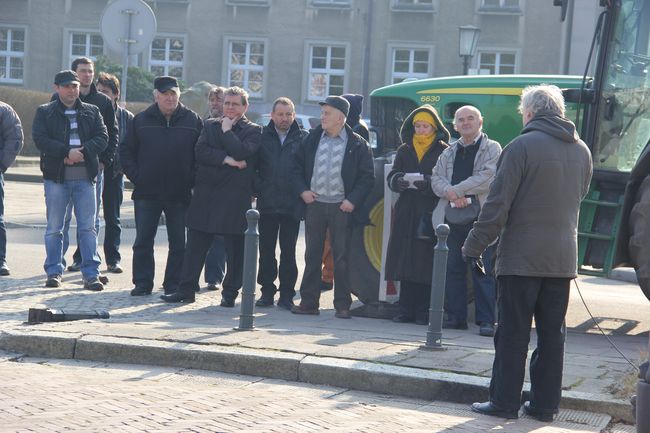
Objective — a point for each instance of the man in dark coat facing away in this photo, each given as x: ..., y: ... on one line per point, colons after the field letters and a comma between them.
x: 222, y: 195
x: 542, y: 176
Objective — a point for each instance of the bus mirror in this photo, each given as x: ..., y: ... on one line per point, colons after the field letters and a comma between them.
x: 584, y: 96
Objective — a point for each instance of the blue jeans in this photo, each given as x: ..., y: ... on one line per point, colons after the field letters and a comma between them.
x: 112, y: 200
x: 76, y: 257
x: 81, y: 193
x: 456, y: 288
x: 3, y: 228
x: 215, y: 262
x: 147, y: 215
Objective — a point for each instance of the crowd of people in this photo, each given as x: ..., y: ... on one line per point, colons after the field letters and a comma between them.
x: 203, y: 175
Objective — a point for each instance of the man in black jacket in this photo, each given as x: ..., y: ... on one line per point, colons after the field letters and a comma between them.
x: 278, y: 204
x: 333, y: 174
x: 11, y: 141
x: 70, y: 135
x: 85, y: 70
x: 158, y: 158
x: 225, y: 156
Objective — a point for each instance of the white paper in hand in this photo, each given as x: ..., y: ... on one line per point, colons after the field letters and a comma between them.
x: 412, y: 177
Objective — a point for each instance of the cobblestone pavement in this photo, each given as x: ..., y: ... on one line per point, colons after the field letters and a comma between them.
x: 50, y: 396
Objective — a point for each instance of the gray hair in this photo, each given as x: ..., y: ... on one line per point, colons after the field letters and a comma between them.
x: 545, y: 97
x: 217, y: 90
x: 237, y: 91
x: 472, y: 108
x: 175, y: 89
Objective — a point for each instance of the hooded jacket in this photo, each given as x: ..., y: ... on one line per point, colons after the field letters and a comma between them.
x: 353, y: 118
x: 542, y: 176
x: 409, y: 258
x: 158, y: 155
x: 51, y: 134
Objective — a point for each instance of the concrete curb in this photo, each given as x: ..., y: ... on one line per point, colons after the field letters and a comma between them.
x: 351, y: 374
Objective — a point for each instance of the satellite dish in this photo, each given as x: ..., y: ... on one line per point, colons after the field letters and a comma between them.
x: 128, y: 27
x: 129, y: 23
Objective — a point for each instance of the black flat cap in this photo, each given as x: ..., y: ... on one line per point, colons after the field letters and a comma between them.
x: 164, y: 83
x: 66, y: 77
x: 337, y: 102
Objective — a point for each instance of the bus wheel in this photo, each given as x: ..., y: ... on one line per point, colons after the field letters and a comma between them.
x: 639, y: 245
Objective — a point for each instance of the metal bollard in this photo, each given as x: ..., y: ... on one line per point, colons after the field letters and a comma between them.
x: 438, y: 281
x: 251, y: 238
x: 643, y: 396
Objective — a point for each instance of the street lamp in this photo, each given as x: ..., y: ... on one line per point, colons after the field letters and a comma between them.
x: 467, y: 48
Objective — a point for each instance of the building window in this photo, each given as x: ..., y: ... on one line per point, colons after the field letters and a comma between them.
x: 331, y: 4
x: 12, y: 55
x: 326, y: 71
x: 500, y: 4
x: 248, y: 2
x: 246, y: 66
x: 497, y: 63
x: 412, y: 5
x: 88, y: 45
x: 167, y: 56
x: 409, y: 63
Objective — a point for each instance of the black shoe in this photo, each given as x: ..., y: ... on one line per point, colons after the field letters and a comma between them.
x: 486, y: 329
x: 140, y: 291
x: 227, y: 303
x: 342, y: 314
x: 178, y: 297
x: 93, y: 284
x: 451, y: 324
x: 74, y: 267
x: 488, y: 408
x: 264, y: 302
x: 286, y: 304
x: 103, y: 279
x: 403, y: 318
x: 301, y: 309
x: 540, y: 416
x: 114, y: 269
x: 4, y: 270
x: 53, y: 281
x: 325, y: 286
x: 211, y: 287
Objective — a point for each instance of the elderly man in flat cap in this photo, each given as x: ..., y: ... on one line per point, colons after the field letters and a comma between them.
x: 333, y: 173
x: 158, y: 158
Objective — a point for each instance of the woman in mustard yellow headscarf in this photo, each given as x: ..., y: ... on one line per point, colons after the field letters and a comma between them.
x: 409, y: 258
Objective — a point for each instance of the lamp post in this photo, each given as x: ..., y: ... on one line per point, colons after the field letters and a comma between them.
x: 467, y: 47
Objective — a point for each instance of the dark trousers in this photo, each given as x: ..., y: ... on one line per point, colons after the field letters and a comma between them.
x: 147, y: 215
x: 414, y: 299
x: 520, y: 300
x: 112, y: 198
x: 318, y: 218
x: 215, y: 262
x: 196, y: 251
x: 234, y: 265
x: 3, y: 228
x: 271, y: 227
x: 456, y: 285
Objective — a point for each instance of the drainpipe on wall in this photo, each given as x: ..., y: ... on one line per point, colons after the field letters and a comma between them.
x: 568, y: 35
x: 365, y: 67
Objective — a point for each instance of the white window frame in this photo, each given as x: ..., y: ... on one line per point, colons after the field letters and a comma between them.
x: 502, y: 8
x: 254, y: 3
x: 331, y: 4
x: 416, y: 6
x: 228, y: 40
x: 498, y: 52
x: 68, y: 45
x: 413, y: 46
x: 9, y: 54
x: 328, y: 71
x: 169, y: 63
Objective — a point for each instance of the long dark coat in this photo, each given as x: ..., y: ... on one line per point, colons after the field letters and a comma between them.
x: 222, y: 194
x: 409, y: 258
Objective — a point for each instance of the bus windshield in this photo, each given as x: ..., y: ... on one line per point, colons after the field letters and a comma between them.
x: 624, y: 118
